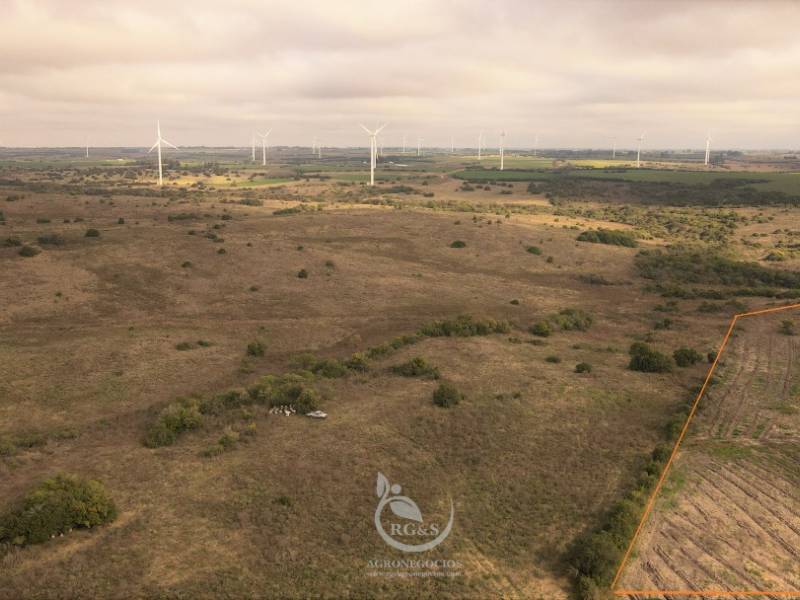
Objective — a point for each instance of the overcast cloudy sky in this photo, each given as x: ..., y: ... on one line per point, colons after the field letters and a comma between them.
x: 575, y: 73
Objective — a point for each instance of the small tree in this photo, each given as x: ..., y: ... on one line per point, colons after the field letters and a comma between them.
x: 446, y: 395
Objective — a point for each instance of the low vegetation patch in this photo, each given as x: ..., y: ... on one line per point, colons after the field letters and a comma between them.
x: 416, y: 367
x: 647, y: 360
x: 447, y: 395
x: 686, y: 357
x: 464, y: 326
x: 29, y: 251
x: 458, y: 244
x: 612, y: 237
x: 182, y: 415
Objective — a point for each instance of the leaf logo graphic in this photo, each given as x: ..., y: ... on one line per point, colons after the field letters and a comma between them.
x: 405, y: 507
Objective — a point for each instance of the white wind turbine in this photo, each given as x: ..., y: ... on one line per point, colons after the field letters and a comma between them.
x: 253, y: 147
x: 535, y: 144
x: 264, y: 137
x: 404, y: 143
x: 158, y: 143
x: 87, y: 147
x: 452, y: 147
x: 708, y: 148
x: 613, y: 148
x: 502, y: 147
x: 480, y: 144
x: 419, y: 146
x: 639, y: 149
x: 373, y: 150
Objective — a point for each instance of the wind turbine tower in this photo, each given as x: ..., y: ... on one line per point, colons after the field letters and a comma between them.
x: 613, y: 148
x: 253, y: 148
x: 708, y: 148
x: 639, y: 150
x: 87, y: 149
x: 264, y: 137
x: 404, y: 143
x: 535, y: 144
x: 480, y: 143
x: 452, y: 147
x: 158, y: 143
x: 502, y: 147
x: 373, y: 150
x: 419, y: 146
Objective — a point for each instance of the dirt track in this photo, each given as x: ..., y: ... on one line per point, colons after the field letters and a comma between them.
x: 728, y: 517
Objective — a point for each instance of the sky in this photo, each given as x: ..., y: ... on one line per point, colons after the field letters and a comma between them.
x: 573, y: 74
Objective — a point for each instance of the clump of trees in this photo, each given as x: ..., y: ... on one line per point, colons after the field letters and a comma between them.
x: 416, y: 367
x: 647, y: 360
x: 54, y: 507
x: 686, y: 357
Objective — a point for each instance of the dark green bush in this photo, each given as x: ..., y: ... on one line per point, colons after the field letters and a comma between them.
x: 458, y: 244
x: 182, y: 415
x: 446, y: 395
x: 534, y: 250
x: 52, y: 239
x: 357, y: 362
x: 787, y: 327
x: 12, y: 242
x: 464, y: 326
x: 295, y: 388
x: 553, y: 359
x: 416, y: 367
x: 686, y: 357
x: 302, y: 274
x: 29, y: 251
x: 541, y: 328
x: 608, y: 236
x: 92, y: 233
x: 54, y: 507
x: 583, y: 367
x: 256, y: 348
x: 324, y: 367
x: 647, y: 360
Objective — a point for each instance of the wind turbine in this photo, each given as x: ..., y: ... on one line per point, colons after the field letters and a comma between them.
x: 502, y: 147
x: 480, y: 143
x: 639, y: 149
x: 158, y: 143
x: 404, y: 143
x: 419, y: 146
x: 373, y: 150
x: 253, y: 147
x: 87, y: 149
x: 535, y: 144
x: 708, y: 147
x: 264, y: 137
x: 613, y: 148
x: 452, y: 148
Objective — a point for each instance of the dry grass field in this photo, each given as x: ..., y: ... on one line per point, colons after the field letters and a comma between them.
x: 99, y: 334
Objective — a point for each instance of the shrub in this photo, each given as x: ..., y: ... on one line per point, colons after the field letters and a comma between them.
x: 357, y: 362
x: 570, y: 319
x: 52, y: 239
x: 787, y: 327
x: 541, y: 329
x: 187, y: 264
x: 184, y: 346
x: 29, y: 251
x: 256, y: 348
x: 54, y: 507
x: 583, y: 367
x: 302, y: 274
x: 92, y: 233
x: 446, y: 395
x: 295, y: 388
x: 608, y: 236
x: 686, y: 357
x: 182, y: 415
x: 464, y: 326
x: 120, y: 221
x: 534, y: 250
x: 12, y: 242
x: 553, y: 359
x: 222, y: 251
x: 458, y: 244
x: 324, y: 367
x: 416, y: 367
x: 647, y: 360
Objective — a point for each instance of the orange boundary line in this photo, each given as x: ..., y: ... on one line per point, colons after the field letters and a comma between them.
x: 651, y: 501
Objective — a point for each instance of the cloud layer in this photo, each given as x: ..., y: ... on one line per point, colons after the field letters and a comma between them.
x: 573, y: 73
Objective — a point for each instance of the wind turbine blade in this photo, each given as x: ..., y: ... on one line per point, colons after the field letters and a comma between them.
x: 267, y: 134
x: 169, y: 144
x: 379, y: 129
x: 365, y: 129
x: 154, y: 147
